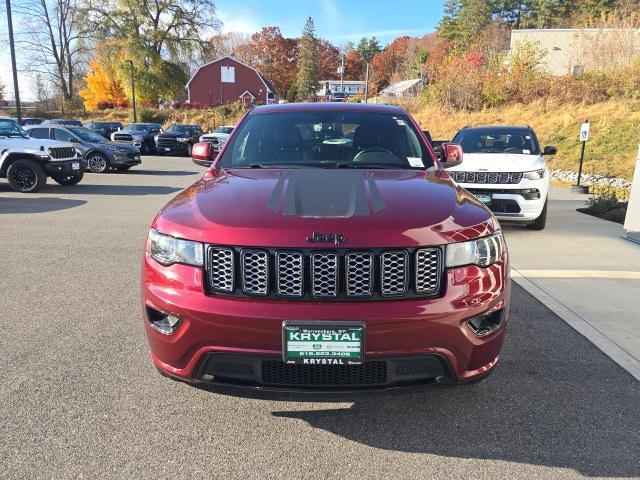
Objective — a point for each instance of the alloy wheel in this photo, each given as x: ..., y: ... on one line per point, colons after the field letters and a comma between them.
x: 24, y: 178
x: 97, y: 163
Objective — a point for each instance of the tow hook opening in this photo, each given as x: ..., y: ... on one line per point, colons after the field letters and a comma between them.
x: 163, y: 322
x: 486, y: 324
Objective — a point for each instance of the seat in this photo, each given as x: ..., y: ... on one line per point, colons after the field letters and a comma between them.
x: 282, y: 144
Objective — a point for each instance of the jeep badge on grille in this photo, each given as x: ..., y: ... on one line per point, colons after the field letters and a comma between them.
x: 317, y: 237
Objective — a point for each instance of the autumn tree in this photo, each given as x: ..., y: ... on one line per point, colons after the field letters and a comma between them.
x: 225, y: 44
x: 389, y: 65
x: 2, y: 91
x: 273, y: 56
x: 103, y: 86
x: 307, y: 80
x: 353, y: 65
x: 328, y: 59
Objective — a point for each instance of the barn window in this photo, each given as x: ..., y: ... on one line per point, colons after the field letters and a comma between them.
x: 228, y: 74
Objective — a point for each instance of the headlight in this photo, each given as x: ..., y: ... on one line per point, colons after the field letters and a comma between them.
x: 137, y: 139
x: 155, y: 138
x: 535, y: 175
x: 113, y: 148
x: 169, y: 250
x: 481, y: 252
x: 182, y: 139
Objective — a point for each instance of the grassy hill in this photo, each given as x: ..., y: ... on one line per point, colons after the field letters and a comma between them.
x: 611, y: 149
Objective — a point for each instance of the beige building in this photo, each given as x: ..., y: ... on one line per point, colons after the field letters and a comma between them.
x: 571, y: 51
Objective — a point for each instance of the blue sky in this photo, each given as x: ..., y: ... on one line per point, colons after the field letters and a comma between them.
x: 339, y: 21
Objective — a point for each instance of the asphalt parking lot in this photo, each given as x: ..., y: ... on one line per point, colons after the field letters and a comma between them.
x: 79, y: 396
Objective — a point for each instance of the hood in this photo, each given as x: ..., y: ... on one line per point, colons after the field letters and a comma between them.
x: 499, y: 162
x: 281, y: 208
x: 174, y: 134
x: 216, y: 135
x: 31, y: 143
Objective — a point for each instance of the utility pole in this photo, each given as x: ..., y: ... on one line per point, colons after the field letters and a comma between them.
x: 366, y: 85
x: 16, y: 89
x: 342, y: 73
x: 133, y: 93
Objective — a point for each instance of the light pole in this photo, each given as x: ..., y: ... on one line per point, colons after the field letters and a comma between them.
x: 133, y: 92
x: 16, y: 90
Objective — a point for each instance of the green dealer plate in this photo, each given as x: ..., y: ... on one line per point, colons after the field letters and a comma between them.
x: 322, y: 343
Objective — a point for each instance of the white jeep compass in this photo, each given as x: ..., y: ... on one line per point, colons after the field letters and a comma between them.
x: 504, y: 168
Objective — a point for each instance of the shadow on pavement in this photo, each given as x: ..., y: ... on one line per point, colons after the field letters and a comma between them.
x: 29, y: 204
x: 120, y: 189
x: 554, y: 401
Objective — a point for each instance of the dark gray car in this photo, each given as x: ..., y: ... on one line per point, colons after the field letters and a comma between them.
x: 100, y: 153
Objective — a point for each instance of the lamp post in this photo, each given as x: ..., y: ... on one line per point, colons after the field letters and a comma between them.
x: 13, y: 63
x: 133, y: 92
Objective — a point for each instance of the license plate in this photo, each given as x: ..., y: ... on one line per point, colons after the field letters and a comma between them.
x: 321, y: 343
x: 75, y: 166
x: 484, y: 197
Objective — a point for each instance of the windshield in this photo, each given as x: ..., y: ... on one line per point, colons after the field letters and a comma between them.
x: 136, y: 127
x: 519, y: 141
x: 87, y: 135
x: 223, y: 130
x: 178, y: 129
x: 10, y: 128
x: 328, y: 139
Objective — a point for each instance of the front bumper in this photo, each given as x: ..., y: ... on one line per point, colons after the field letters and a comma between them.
x: 521, y: 203
x: 125, y: 159
x: 434, y: 329
x: 172, y: 148
x: 64, y: 167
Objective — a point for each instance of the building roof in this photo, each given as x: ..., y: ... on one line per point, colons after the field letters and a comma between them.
x: 266, y: 82
x: 400, y: 87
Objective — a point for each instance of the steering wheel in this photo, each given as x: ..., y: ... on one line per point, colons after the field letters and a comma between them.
x: 371, y: 150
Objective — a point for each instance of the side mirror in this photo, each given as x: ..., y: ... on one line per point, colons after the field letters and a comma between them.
x: 203, y: 151
x: 451, y: 155
x: 74, y: 140
x: 549, y: 150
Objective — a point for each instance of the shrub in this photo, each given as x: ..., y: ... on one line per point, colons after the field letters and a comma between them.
x: 605, y: 200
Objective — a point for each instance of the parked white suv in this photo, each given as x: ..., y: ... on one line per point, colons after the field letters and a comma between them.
x: 218, y: 137
x: 27, y: 162
x: 505, y: 169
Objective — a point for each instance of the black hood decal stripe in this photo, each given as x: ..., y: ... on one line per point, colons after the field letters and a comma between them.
x: 315, y: 193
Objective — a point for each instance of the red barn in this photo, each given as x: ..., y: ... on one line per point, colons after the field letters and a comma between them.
x: 227, y: 80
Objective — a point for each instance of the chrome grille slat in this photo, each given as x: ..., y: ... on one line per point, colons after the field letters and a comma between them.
x: 487, y: 177
x: 290, y: 273
x: 60, y: 153
x: 324, y: 274
x: 359, y: 267
x: 255, y: 272
x: 428, y: 261
x: 394, y: 267
x: 221, y: 266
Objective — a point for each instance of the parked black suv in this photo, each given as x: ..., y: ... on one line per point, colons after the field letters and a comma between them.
x: 104, y: 128
x: 178, y: 139
x: 138, y: 134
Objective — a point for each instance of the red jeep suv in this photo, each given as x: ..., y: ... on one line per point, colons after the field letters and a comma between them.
x: 326, y: 248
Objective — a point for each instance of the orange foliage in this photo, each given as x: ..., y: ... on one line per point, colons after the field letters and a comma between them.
x: 103, y: 88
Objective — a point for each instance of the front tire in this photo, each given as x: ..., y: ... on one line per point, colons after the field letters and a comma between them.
x: 26, y: 176
x: 69, y: 180
x: 145, y: 149
x: 97, y: 162
x: 541, y: 221
x: 189, y: 149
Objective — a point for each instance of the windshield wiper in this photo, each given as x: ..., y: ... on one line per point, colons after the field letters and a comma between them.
x: 277, y: 165
x: 369, y: 165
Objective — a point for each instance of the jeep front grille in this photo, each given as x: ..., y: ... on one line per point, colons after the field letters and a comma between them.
x: 62, y: 153
x: 487, y: 177
x: 122, y: 137
x: 324, y: 274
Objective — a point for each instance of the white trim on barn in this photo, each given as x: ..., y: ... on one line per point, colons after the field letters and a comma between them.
x: 244, y: 95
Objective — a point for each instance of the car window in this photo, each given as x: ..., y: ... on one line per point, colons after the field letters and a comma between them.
x: 42, y: 133
x: 327, y: 139
x: 10, y: 128
x: 62, y: 135
x: 86, y: 135
x: 518, y: 141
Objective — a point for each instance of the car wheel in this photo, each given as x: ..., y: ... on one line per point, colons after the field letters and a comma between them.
x: 97, y: 162
x: 541, y: 221
x: 26, y: 176
x: 67, y: 180
x: 144, y: 149
x: 189, y: 149
x: 123, y: 168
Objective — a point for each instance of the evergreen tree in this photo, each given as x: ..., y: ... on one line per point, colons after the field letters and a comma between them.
x: 368, y: 47
x: 308, y: 78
